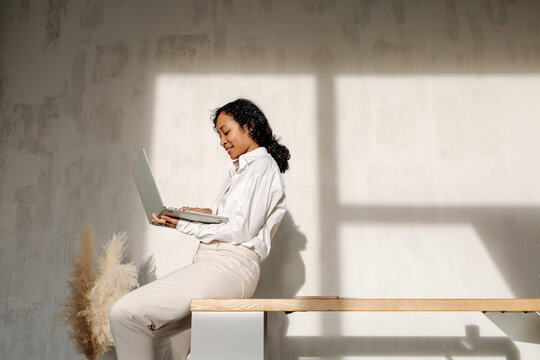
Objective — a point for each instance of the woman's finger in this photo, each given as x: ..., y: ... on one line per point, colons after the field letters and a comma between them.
x: 159, y: 220
x: 172, y: 220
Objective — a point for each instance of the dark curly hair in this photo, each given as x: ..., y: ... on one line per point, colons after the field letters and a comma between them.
x: 247, y: 113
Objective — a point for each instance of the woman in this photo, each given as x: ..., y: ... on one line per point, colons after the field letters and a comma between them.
x: 226, y: 264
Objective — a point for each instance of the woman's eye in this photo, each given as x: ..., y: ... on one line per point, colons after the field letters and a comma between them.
x: 226, y: 133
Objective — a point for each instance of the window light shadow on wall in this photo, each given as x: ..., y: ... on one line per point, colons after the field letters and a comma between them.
x: 379, y: 143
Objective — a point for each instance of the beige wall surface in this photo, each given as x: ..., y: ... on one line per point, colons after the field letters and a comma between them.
x: 414, y: 132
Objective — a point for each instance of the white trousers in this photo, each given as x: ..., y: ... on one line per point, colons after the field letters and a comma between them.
x: 154, y: 322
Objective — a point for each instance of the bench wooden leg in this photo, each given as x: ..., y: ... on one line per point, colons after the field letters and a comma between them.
x: 227, y: 335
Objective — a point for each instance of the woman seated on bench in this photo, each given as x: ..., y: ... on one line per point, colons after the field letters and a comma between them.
x: 226, y: 264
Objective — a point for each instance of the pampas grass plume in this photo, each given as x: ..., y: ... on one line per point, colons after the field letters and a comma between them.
x: 86, y: 310
x: 113, y: 280
x: 75, y: 306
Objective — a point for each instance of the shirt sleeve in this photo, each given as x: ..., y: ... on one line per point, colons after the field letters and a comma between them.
x: 262, y: 242
x: 249, y: 213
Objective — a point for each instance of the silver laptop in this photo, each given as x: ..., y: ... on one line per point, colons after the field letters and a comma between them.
x: 151, y: 199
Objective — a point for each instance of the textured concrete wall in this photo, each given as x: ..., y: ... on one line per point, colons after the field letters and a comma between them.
x: 413, y: 127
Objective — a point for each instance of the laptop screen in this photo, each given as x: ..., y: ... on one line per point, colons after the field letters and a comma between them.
x: 146, y: 185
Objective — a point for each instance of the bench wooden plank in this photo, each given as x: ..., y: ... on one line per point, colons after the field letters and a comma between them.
x: 336, y: 304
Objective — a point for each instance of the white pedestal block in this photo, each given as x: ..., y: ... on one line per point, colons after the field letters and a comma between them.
x: 227, y: 335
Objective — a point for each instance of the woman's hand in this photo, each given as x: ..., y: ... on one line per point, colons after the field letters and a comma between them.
x: 204, y: 211
x: 165, y: 220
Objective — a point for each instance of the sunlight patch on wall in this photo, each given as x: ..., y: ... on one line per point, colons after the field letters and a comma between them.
x: 417, y: 261
x: 447, y: 140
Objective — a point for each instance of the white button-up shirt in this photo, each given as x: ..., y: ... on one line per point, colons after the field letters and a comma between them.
x: 253, y: 197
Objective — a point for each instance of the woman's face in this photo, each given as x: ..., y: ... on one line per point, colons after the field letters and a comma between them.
x: 234, y: 139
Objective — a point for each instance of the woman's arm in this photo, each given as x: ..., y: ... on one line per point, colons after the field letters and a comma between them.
x: 201, y: 210
x: 173, y: 221
x: 249, y: 212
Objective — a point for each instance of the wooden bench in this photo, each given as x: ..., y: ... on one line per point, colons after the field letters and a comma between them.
x: 235, y: 328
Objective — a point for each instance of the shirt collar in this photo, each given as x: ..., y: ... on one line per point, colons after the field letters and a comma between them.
x: 245, y: 159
